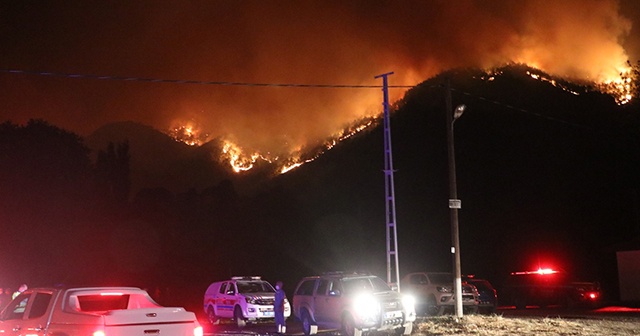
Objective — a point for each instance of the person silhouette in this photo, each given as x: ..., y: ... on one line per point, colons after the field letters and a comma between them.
x: 278, y: 308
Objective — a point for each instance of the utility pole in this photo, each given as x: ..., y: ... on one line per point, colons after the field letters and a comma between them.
x: 454, y: 202
x: 390, y: 202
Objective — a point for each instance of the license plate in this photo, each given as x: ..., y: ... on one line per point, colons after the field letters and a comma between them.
x: 268, y: 314
x: 392, y: 314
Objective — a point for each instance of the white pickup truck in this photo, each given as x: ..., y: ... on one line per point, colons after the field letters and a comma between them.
x: 98, y: 311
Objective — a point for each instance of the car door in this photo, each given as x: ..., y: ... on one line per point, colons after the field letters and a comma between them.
x: 225, y: 300
x: 27, y: 314
x: 335, y: 302
x: 320, y: 301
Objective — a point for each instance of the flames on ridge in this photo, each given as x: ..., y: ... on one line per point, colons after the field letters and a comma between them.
x: 242, y: 160
x: 189, y: 134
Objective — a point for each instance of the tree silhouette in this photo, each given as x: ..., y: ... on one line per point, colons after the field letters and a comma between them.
x: 41, y: 159
x: 44, y: 199
x: 113, y: 172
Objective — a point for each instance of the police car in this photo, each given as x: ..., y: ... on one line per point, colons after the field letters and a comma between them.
x: 243, y: 299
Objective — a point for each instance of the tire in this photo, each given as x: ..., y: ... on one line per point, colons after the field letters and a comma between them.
x: 307, y: 322
x: 348, y: 326
x: 431, y: 307
x: 211, y: 316
x: 238, y: 318
x: 473, y: 310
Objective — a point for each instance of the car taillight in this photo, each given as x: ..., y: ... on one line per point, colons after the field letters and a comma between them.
x: 592, y: 295
x: 98, y: 333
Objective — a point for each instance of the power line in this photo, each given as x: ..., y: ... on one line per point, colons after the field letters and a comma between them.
x: 293, y: 85
x: 183, y: 81
x: 535, y: 114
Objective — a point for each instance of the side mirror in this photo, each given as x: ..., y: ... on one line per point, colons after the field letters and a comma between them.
x: 334, y: 292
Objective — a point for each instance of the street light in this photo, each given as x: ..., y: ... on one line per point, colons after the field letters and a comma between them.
x: 454, y: 202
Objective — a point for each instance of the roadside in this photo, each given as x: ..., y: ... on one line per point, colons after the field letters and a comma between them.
x: 610, y: 320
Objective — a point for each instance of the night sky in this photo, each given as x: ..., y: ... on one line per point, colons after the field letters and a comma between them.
x: 521, y: 176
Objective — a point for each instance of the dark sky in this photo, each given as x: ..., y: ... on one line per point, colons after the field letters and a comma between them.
x: 276, y: 41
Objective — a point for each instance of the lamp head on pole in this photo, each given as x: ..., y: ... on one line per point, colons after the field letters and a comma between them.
x: 458, y: 111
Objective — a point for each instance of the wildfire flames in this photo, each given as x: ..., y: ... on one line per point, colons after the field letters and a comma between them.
x: 237, y: 159
x: 189, y: 134
x: 619, y: 88
x: 241, y: 160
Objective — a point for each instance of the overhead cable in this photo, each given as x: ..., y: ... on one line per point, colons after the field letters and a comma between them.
x: 197, y: 82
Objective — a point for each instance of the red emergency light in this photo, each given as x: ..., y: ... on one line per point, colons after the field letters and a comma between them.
x: 592, y: 295
x: 541, y: 271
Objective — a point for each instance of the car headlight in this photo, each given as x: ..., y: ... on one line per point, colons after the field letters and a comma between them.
x: 366, y: 306
x: 409, y: 303
x: 250, y: 299
x: 444, y: 289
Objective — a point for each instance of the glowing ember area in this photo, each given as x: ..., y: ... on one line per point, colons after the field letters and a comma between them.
x: 188, y: 134
x: 552, y: 82
x: 620, y: 88
x: 238, y: 160
x: 296, y: 162
x: 242, y: 160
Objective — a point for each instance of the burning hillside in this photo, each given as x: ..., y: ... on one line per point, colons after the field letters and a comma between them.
x: 241, y: 159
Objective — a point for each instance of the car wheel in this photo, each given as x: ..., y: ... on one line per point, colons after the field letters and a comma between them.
x: 307, y: 322
x: 473, y: 310
x: 211, y: 315
x: 239, y: 319
x: 431, y: 307
x: 348, y: 326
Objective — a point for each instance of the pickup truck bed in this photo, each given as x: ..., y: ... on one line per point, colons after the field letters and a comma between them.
x: 95, y: 311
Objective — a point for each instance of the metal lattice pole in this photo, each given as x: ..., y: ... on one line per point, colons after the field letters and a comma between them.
x: 390, y: 203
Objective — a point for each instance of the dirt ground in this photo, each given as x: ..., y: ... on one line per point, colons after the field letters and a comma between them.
x: 498, y: 325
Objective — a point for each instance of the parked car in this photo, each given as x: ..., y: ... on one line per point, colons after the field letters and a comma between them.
x: 354, y: 303
x: 434, y: 292
x: 85, y: 311
x: 243, y: 299
x: 487, y: 294
x: 547, y: 287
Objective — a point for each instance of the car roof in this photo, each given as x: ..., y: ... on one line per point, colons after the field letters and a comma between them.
x: 341, y: 275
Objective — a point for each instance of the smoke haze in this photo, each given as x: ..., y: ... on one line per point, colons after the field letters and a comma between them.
x: 278, y: 41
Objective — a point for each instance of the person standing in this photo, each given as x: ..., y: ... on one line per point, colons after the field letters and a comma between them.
x: 278, y: 308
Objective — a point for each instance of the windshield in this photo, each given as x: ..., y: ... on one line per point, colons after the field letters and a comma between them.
x: 245, y: 287
x: 441, y: 278
x: 369, y: 284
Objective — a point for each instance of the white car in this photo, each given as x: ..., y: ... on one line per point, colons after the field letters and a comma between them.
x: 434, y: 292
x: 243, y: 299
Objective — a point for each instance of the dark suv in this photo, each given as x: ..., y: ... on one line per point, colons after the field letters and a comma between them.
x: 546, y: 287
x: 487, y: 294
x: 353, y: 303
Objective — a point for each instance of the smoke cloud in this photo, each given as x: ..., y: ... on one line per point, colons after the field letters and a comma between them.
x: 280, y: 41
